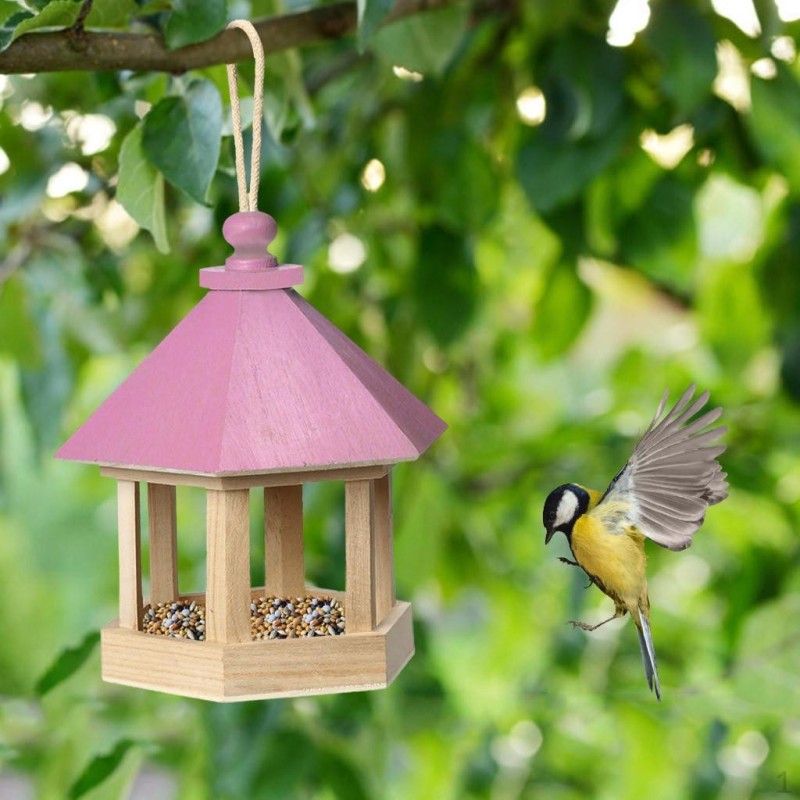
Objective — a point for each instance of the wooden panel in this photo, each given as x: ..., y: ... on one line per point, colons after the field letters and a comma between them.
x: 191, y: 669
x: 283, y: 543
x: 384, y: 557
x: 246, y: 481
x: 399, y: 629
x: 163, y: 524
x: 129, y: 525
x: 299, y: 666
x: 228, y: 566
x: 359, y: 553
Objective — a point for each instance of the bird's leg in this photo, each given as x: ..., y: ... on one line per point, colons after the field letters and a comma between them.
x: 575, y: 564
x: 587, y: 627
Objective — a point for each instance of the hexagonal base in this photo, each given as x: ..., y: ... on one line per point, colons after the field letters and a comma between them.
x: 260, y: 670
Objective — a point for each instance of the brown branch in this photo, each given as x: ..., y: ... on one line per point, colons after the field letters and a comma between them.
x: 56, y: 52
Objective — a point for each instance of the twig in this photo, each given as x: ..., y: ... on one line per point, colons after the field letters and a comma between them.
x: 77, y: 32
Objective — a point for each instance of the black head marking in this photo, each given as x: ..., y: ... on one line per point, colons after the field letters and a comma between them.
x: 563, y: 507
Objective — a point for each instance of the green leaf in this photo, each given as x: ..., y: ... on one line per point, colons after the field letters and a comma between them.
x: 155, y: 7
x: 346, y: 782
x: 67, y: 663
x: 8, y: 8
x: 775, y: 122
x: 371, y: 14
x: 424, y: 43
x: 195, y: 20
x: 100, y: 769
x: 445, y: 283
x: 554, y: 173
x: 683, y: 39
x: 660, y: 238
x: 583, y: 83
x: 455, y: 174
x: 18, y: 335
x: 561, y: 311
x: 181, y: 138
x: 10, y: 26
x: 729, y: 293
x: 111, y: 14
x: 59, y: 14
x: 141, y: 189
x: 766, y: 665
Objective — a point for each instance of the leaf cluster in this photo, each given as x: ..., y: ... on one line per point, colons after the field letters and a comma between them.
x: 537, y: 281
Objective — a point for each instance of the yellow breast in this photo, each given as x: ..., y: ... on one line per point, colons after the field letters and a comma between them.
x: 617, y: 559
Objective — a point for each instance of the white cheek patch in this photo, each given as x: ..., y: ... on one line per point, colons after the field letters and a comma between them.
x: 567, y: 507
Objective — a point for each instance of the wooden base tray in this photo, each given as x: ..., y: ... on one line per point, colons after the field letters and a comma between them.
x: 260, y: 670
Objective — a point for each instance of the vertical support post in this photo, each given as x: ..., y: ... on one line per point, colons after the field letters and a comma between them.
x: 359, y: 523
x: 283, y: 540
x: 129, y: 523
x: 384, y: 560
x: 162, y: 515
x: 228, y: 566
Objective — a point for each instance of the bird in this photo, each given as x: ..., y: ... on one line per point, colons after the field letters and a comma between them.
x: 662, y: 494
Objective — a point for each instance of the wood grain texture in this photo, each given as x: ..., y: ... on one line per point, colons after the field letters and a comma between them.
x: 260, y: 670
x: 245, y: 481
x: 255, y: 382
x: 163, y: 524
x: 129, y: 523
x: 283, y: 540
x: 398, y: 627
x: 384, y: 547
x: 228, y: 566
x: 175, y: 666
x: 360, y: 554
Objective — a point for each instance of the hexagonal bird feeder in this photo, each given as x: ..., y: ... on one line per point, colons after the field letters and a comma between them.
x: 255, y: 388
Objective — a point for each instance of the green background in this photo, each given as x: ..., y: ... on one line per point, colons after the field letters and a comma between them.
x: 539, y: 287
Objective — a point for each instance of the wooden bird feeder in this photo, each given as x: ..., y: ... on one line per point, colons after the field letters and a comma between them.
x: 255, y: 388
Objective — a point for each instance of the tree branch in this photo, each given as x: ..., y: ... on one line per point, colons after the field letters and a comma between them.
x: 56, y: 52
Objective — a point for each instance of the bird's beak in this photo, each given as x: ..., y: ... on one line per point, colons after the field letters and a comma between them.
x: 549, y: 535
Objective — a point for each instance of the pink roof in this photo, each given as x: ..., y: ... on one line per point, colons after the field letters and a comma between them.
x: 250, y: 382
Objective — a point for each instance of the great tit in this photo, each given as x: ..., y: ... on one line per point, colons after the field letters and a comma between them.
x: 662, y: 494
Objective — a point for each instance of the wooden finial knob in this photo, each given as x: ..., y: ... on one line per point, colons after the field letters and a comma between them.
x: 250, y: 234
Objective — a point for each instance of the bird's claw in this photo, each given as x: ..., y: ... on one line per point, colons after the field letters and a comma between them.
x: 584, y: 626
x: 568, y: 561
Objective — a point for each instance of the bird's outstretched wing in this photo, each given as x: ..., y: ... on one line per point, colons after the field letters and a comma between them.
x: 673, y: 474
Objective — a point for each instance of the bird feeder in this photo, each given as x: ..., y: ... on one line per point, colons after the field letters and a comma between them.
x: 255, y: 389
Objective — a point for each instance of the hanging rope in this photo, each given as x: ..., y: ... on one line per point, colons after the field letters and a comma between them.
x: 248, y: 201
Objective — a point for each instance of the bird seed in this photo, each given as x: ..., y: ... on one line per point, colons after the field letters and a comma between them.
x: 270, y: 618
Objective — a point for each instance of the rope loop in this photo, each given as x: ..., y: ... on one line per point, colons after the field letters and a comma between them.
x: 248, y: 200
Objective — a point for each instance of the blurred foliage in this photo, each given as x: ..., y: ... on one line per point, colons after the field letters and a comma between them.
x: 537, y: 284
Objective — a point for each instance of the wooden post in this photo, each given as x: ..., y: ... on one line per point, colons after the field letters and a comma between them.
x: 283, y: 540
x: 129, y: 523
x: 228, y: 566
x: 163, y: 543
x: 384, y: 561
x: 359, y: 526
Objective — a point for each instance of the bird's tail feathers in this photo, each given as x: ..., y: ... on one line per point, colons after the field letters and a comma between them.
x: 648, y: 654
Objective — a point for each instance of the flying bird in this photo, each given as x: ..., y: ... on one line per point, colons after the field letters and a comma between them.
x: 661, y: 494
